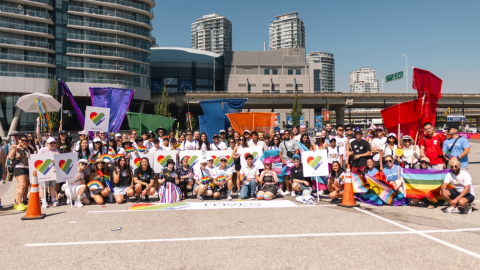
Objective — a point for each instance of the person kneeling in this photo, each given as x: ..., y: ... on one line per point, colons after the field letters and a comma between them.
x: 270, y: 180
x: 249, y: 178
x: 122, y: 179
x: 76, y: 190
x: 169, y: 192
x: 144, y: 178
x: 223, y: 180
x: 335, y: 183
x: 462, y: 193
x: 301, y: 184
x: 98, y: 187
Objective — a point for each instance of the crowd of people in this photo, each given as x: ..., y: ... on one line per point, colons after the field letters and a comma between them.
x: 369, y: 152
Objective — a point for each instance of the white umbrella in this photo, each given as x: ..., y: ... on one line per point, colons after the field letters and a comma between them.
x: 27, y: 103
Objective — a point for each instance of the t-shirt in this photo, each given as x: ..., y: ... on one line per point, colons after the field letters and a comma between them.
x: 189, y: 145
x: 290, y: 145
x: 387, y: 151
x: 358, y: 148
x: 222, y: 173
x: 77, y: 145
x: 124, y: 179
x: 341, y: 178
x: 460, y: 181
x: 457, y: 150
x: 333, y: 154
x: 199, y: 174
x: 378, y: 143
x: 144, y: 176
x: 153, y: 149
x: 220, y: 146
x: 45, y: 150
x: 392, y: 174
x: 372, y: 172
x: 260, y: 144
x: 296, y: 173
x: 250, y: 173
x: 433, y: 148
x: 297, y: 137
x: 342, y: 143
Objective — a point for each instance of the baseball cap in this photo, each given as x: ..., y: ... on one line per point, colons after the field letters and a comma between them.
x: 111, y: 139
x: 63, y: 132
x: 379, y: 128
x: 82, y: 161
x: 215, y: 136
x: 203, y: 161
x: 303, y: 126
x: 13, y: 133
x: 455, y: 126
x: 51, y: 139
x: 246, y: 131
x: 267, y: 162
x: 406, y: 137
x: 296, y: 156
x: 223, y: 157
x: 97, y: 140
x: 222, y: 131
x: 210, y: 158
x: 392, y: 135
x: 282, y: 131
x: 83, y: 132
x: 118, y: 135
x: 357, y: 130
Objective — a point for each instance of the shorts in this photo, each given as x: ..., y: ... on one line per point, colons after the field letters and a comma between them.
x: 454, y: 194
x: 48, y: 183
x: 120, y: 190
x: 303, y: 187
x: 437, y: 166
x: 272, y: 188
x: 221, y: 190
x: 20, y: 171
x: 72, y: 191
x: 358, y: 170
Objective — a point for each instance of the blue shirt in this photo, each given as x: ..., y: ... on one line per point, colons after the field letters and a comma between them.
x: 372, y: 172
x: 392, y: 174
x: 458, y: 149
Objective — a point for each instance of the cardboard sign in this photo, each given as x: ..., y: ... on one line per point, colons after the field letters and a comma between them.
x: 44, y: 165
x: 135, y: 160
x: 66, y: 167
x: 97, y: 119
x: 194, y: 158
x: 315, y: 163
x: 215, y: 155
x: 256, y: 152
x: 160, y: 159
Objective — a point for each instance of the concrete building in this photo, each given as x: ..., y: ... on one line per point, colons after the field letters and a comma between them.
x: 212, y: 33
x: 327, y: 75
x: 364, y: 81
x: 286, y: 31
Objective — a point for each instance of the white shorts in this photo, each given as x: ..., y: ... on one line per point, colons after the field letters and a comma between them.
x: 72, y: 190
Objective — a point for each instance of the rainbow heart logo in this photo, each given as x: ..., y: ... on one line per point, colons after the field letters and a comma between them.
x: 137, y: 162
x: 314, y: 162
x: 43, y: 166
x: 97, y: 119
x: 229, y: 161
x: 216, y: 161
x: 66, y: 165
x: 255, y: 156
x: 163, y: 159
x: 192, y: 161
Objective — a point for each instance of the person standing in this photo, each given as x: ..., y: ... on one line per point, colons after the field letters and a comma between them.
x: 377, y: 145
x: 361, y: 152
x: 431, y: 146
x: 18, y: 156
x: 51, y: 147
x: 329, y: 130
x: 457, y: 147
x: 288, y: 148
x: 342, y: 142
x: 190, y: 143
x: 255, y: 142
x: 217, y: 144
x: 410, y: 151
x: 223, y: 136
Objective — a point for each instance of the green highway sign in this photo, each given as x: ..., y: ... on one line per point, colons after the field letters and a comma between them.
x: 393, y: 77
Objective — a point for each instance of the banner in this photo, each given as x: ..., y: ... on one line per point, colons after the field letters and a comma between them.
x: 66, y: 167
x: 44, y: 165
x: 194, y: 158
x: 277, y: 123
x: 66, y: 92
x: 315, y: 163
x: 258, y: 121
x: 318, y: 123
x: 97, y: 119
x: 135, y: 160
x: 256, y: 152
x: 160, y: 159
x: 211, y: 205
x: 215, y: 155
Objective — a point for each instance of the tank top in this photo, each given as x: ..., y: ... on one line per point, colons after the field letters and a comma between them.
x: 268, y: 178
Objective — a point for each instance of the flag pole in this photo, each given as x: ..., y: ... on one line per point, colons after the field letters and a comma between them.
x: 61, y: 115
x: 419, y: 123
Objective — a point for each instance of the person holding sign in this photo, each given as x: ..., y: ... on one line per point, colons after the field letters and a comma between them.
x: 169, y: 192
x: 223, y: 179
x: 269, y: 179
x: 99, y: 189
x: 144, y: 178
x: 249, y: 178
x: 51, y: 147
x: 202, y: 181
x: 76, y: 190
x: 123, y: 181
x: 185, y: 173
x: 18, y: 156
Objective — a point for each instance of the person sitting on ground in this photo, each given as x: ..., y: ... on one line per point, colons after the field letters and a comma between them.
x: 393, y: 173
x: 269, y: 179
x: 123, y: 181
x: 185, y: 173
x: 336, y: 183
x: 202, y: 181
x: 222, y: 180
x: 300, y: 184
x: 144, y: 178
x: 169, y: 192
x: 249, y: 177
x: 370, y: 169
x: 75, y: 190
x: 99, y: 174
x: 462, y: 194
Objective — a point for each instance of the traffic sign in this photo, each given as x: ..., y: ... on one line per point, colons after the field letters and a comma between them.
x: 393, y: 77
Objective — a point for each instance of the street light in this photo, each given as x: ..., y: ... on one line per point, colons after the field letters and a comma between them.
x: 406, y: 70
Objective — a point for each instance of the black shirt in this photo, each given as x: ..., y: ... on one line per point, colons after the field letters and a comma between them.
x: 358, y: 148
x: 168, y: 175
x: 125, y: 179
x: 144, y: 176
x: 297, y: 173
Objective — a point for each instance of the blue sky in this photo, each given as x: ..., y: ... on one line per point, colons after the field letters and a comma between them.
x: 440, y: 36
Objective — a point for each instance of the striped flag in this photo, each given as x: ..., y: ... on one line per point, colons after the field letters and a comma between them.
x: 385, y: 192
x: 358, y: 184
x: 424, y: 183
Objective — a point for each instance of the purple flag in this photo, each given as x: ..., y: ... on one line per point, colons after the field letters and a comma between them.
x: 66, y: 92
x: 116, y: 99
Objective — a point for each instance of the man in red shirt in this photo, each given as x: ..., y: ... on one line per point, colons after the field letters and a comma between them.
x: 431, y: 147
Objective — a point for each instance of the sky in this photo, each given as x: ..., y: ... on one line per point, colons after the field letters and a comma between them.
x: 439, y: 36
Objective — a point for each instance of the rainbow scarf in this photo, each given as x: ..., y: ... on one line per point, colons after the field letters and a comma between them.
x: 420, y: 183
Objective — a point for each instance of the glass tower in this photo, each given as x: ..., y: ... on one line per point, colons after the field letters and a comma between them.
x: 327, y: 74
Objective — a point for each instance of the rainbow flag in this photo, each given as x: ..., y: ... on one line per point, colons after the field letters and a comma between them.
x: 129, y: 150
x: 385, y: 192
x: 424, y: 183
x: 117, y: 156
x: 142, y: 149
x: 221, y: 178
x: 205, y: 179
x: 358, y: 183
x: 243, y: 177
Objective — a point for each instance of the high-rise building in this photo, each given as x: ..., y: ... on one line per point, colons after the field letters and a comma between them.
x: 212, y: 33
x: 286, y: 31
x: 364, y: 81
x: 327, y: 75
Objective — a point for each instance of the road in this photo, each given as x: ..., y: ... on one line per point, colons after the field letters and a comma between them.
x: 322, y: 236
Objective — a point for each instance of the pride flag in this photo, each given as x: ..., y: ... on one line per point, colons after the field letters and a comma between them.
x: 358, y: 183
x: 273, y: 156
x: 142, y: 149
x: 385, y: 192
x: 423, y: 183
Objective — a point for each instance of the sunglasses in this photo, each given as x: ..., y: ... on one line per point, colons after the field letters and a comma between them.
x: 99, y: 142
x: 348, y: 129
x: 453, y: 167
x: 223, y: 160
x: 23, y: 140
x: 296, y: 159
x: 423, y: 162
x: 83, y: 164
x: 389, y: 161
x: 170, y: 163
x: 222, y: 133
x: 189, y: 134
x: 241, y: 139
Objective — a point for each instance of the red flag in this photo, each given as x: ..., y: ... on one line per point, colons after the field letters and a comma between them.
x: 402, y: 113
x: 425, y: 81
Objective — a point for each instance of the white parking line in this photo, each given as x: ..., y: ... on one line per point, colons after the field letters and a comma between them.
x: 244, y: 237
x: 422, y: 233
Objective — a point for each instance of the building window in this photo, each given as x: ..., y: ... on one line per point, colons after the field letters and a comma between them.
x: 274, y: 72
x: 298, y: 72
x: 290, y: 72
x: 265, y: 85
x: 242, y: 85
x: 266, y: 71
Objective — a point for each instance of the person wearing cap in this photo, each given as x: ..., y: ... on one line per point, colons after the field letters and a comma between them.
x: 300, y: 184
x: 462, y: 195
x: 377, y: 145
x: 97, y: 150
x: 112, y: 146
x: 83, y: 135
x: 242, y: 143
x: 288, y: 148
x: 341, y: 140
x: 334, y: 154
x: 361, y: 152
x: 282, y: 134
x: 303, y: 129
x: 203, y: 178
x: 246, y: 134
x: 266, y: 139
x: 255, y: 142
x: 249, y: 177
x: 144, y: 179
x: 51, y: 147
x: 268, y: 181
x: 18, y: 155
x: 431, y: 146
x: 190, y: 143
x: 122, y: 181
x: 222, y: 179
x: 411, y: 153
x: 223, y: 136
x: 230, y: 132
x: 75, y: 189
x: 457, y: 147
x: 125, y: 145
x: 217, y: 145
x: 169, y: 192
x: 389, y: 150
x: 100, y: 173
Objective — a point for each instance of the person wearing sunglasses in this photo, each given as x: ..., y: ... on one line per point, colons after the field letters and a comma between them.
x: 425, y: 164
x: 223, y: 136
x: 411, y: 153
x: 51, y: 147
x: 230, y: 133
x: 222, y: 180
x: 462, y: 195
x: 75, y: 190
x: 301, y: 184
x: 393, y: 173
x: 377, y: 144
x: 18, y: 156
x: 242, y: 143
x: 274, y: 143
x: 217, y: 144
x: 190, y: 143
x: 133, y: 134
x: 169, y: 192
x: 247, y: 134
x: 249, y: 178
x: 457, y: 147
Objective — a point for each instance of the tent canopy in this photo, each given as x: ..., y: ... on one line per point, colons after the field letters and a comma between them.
x: 145, y: 122
x: 253, y: 121
x: 214, y: 112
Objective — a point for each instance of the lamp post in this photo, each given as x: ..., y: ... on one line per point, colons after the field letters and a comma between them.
x: 406, y: 71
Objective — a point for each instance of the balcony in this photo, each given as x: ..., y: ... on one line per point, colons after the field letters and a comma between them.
x: 29, y: 29
x: 111, y: 68
x: 111, y: 15
x: 26, y: 75
x: 106, y: 41
x: 27, y: 45
x: 47, y: 4
x: 140, y: 8
x: 26, y: 14
x: 26, y: 59
x: 108, y: 81
x: 108, y: 55
x: 120, y: 29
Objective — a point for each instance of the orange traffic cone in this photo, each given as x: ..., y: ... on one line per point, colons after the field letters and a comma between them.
x: 348, y: 200
x: 34, y: 210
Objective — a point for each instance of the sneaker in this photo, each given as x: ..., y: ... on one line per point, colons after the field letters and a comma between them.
x: 146, y: 199
x: 68, y: 202
x: 55, y: 203
x: 472, y: 205
x: 336, y: 201
x: 21, y: 207
x: 137, y: 200
x: 253, y: 198
x: 44, y: 205
x: 14, y: 206
x: 293, y: 194
x: 200, y: 198
x: 450, y: 209
x: 321, y: 193
x: 229, y: 198
x: 466, y: 210
x: 78, y: 203
x: 431, y: 206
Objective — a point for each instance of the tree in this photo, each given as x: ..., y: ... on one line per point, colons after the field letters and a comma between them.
x: 296, y: 112
x: 54, y: 116
x: 161, y: 108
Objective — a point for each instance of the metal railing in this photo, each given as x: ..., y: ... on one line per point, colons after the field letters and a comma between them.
x: 141, y: 32
x: 108, y: 53
x: 26, y: 75
x: 142, y: 71
x: 121, y: 41
x: 96, y: 11
x: 28, y: 43
x: 108, y: 81
x: 27, y: 12
x: 129, y: 4
x: 26, y: 27
x: 47, y: 2
x: 28, y: 58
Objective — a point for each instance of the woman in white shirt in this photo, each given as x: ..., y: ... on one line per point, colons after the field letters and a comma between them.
x: 410, y: 150
x: 334, y: 154
x: 242, y: 143
x: 389, y: 150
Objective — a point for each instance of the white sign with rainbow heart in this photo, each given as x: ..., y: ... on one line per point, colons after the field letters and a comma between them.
x: 97, y: 119
x: 66, y: 167
x: 160, y: 159
x: 216, y: 155
x: 136, y: 160
x: 194, y: 158
x: 315, y: 163
x: 44, y: 165
x: 256, y: 152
